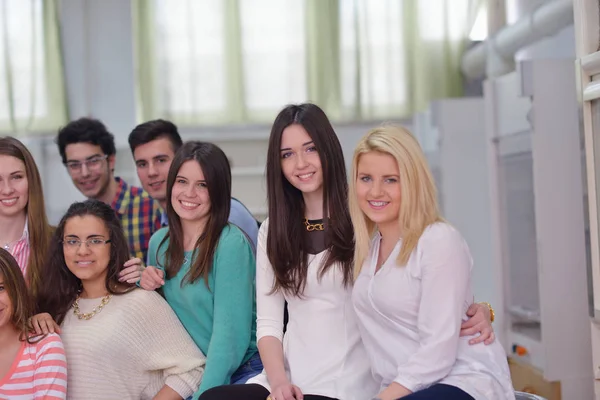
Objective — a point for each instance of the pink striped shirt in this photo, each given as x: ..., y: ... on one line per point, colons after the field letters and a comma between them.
x: 38, y: 372
x: 20, y: 250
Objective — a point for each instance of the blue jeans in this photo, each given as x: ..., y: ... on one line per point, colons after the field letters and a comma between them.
x: 247, y: 370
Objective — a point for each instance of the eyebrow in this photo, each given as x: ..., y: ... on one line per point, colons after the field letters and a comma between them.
x: 89, y: 236
x: 17, y: 172
x: 156, y: 157
x: 303, y: 144
x: 88, y: 158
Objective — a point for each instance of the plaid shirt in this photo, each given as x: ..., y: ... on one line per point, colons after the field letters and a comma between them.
x: 139, y: 215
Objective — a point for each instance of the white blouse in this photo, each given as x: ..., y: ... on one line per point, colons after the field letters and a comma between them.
x: 322, y: 348
x: 409, y: 318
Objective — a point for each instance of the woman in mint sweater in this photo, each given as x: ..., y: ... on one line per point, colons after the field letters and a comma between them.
x: 206, y: 267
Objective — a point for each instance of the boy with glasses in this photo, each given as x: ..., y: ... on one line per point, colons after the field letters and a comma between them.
x: 88, y: 151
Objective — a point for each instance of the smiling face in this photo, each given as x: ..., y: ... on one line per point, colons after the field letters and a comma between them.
x: 14, y: 187
x: 89, y: 168
x: 6, y: 307
x: 88, y: 262
x: 378, y: 188
x: 152, y: 161
x: 189, y: 196
x: 300, y: 162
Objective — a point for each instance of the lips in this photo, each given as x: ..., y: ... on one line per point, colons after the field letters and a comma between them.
x: 9, y: 202
x: 378, y: 205
x: 84, y: 263
x: 156, y: 185
x: 305, y: 177
x: 88, y: 184
x: 186, y: 205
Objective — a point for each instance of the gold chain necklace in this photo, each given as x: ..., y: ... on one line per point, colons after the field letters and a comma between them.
x: 313, y: 227
x: 95, y: 311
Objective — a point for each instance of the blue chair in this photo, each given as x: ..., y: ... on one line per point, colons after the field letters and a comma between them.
x: 527, y: 396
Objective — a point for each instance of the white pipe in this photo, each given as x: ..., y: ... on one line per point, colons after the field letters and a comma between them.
x: 546, y: 20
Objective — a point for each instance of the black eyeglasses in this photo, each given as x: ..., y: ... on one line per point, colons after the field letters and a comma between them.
x: 92, y: 243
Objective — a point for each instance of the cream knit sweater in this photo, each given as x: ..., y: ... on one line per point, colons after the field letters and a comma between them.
x: 129, y: 350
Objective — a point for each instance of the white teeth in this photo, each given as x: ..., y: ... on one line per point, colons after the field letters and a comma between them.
x: 9, y: 202
x: 84, y: 262
x: 187, y: 204
x: 378, y: 203
x: 306, y: 176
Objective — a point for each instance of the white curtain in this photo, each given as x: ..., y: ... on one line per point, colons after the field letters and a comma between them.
x: 240, y: 61
x: 31, y: 82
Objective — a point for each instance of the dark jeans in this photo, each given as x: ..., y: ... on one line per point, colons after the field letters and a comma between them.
x: 252, y: 391
x: 439, y: 392
x: 247, y: 370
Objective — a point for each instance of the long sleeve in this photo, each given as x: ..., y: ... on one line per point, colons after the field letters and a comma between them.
x: 445, y: 267
x: 164, y: 345
x: 234, y: 272
x: 269, y: 306
x: 50, y: 374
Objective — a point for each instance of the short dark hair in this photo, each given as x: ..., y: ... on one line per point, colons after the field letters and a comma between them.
x: 152, y: 130
x: 85, y: 130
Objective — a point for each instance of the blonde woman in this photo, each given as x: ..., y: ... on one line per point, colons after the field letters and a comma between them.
x: 413, y: 278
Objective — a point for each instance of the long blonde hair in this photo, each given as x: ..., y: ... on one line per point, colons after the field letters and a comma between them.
x: 418, y: 208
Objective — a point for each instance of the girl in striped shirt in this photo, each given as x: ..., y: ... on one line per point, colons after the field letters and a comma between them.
x: 30, y: 367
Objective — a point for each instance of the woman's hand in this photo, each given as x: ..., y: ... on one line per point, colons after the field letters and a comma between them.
x: 480, y: 322
x: 43, y: 324
x: 285, y: 391
x: 393, y: 391
x: 152, y: 278
x: 132, y: 271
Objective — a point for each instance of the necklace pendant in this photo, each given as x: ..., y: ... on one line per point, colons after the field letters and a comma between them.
x: 6, y: 246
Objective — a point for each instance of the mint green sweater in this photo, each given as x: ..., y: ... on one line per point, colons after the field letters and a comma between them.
x: 222, y: 320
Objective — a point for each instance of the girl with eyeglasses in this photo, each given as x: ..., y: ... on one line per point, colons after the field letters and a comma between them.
x: 121, y: 342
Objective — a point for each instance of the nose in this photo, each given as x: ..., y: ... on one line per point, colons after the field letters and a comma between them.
x: 190, y: 191
x: 300, y: 161
x: 83, y: 249
x: 152, y: 170
x: 6, y: 187
x: 85, y: 171
x: 376, y: 189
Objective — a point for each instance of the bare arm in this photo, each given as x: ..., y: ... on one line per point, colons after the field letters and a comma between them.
x: 166, y: 393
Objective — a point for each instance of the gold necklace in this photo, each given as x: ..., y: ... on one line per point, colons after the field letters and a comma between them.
x: 313, y: 227
x: 95, y: 311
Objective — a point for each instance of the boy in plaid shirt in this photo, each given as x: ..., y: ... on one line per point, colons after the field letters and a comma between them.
x: 88, y: 151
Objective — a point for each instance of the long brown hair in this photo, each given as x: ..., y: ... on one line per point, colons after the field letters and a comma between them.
x: 217, y: 173
x: 14, y: 285
x: 39, y: 229
x: 60, y: 286
x: 286, y: 242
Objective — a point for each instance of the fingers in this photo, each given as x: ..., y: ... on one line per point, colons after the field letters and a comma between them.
x: 469, y: 331
x: 157, y: 275
x: 130, y: 274
x: 491, y: 339
x: 472, y: 309
x: 471, y: 322
x: 297, y: 392
x: 152, y: 278
x: 133, y: 261
x: 43, y: 324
